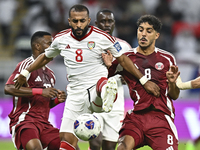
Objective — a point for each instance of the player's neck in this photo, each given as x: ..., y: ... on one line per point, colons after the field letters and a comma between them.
x: 145, y: 51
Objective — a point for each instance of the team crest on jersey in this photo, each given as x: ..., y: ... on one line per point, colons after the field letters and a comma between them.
x: 159, y: 65
x: 118, y: 46
x: 91, y: 45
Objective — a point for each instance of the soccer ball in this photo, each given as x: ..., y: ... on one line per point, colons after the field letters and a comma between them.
x: 87, y: 127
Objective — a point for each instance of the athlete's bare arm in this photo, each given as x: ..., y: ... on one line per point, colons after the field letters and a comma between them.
x: 172, y: 75
x: 26, y: 91
x: 195, y: 83
x: 39, y: 62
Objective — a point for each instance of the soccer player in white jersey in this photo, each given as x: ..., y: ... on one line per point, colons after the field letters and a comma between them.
x: 82, y: 47
x: 110, y: 122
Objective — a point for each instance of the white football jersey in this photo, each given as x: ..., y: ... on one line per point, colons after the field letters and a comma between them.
x: 82, y: 57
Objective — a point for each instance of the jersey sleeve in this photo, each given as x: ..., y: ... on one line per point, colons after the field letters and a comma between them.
x: 20, y: 66
x: 115, y: 68
x: 53, y: 50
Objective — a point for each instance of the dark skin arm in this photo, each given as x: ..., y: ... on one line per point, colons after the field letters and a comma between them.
x: 61, y: 95
x: 172, y: 75
x: 40, y: 61
x: 127, y: 64
x: 26, y: 91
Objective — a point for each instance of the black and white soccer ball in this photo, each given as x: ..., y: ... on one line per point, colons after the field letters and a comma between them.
x: 87, y: 127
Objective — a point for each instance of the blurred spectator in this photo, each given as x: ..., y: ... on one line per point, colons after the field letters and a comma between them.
x: 7, y: 13
x: 189, y: 8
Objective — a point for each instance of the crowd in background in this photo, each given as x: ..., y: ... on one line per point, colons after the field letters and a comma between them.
x: 180, y: 34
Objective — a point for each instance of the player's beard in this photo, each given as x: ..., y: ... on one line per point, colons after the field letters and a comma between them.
x: 147, y: 46
x: 84, y: 31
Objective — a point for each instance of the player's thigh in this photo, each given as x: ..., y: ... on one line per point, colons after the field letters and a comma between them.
x: 112, y: 125
x: 30, y: 139
x: 166, y: 135
x: 52, y: 134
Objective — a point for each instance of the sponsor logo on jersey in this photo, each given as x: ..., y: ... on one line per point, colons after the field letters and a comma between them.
x: 38, y: 79
x: 91, y: 45
x: 67, y: 47
x: 159, y: 66
x: 118, y: 46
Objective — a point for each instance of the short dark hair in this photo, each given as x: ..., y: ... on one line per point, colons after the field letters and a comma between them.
x: 79, y: 8
x: 104, y: 11
x: 37, y: 35
x: 152, y: 20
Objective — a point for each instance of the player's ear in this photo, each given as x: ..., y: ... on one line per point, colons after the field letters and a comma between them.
x: 69, y: 21
x: 37, y: 46
x: 89, y: 21
x: 157, y: 35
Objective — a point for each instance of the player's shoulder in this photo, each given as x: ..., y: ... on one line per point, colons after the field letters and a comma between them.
x: 51, y: 71
x: 62, y: 33
x: 164, y: 52
x: 102, y: 34
x: 123, y: 42
x: 131, y: 52
x: 25, y: 63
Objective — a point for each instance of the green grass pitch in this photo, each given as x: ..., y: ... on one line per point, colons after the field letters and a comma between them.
x: 8, y: 145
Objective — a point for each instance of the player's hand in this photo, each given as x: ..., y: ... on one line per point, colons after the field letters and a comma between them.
x: 61, y: 95
x: 107, y: 58
x: 50, y: 92
x: 172, y: 74
x: 153, y: 88
x: 20, y: 81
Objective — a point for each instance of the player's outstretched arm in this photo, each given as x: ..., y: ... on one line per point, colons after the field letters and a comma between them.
x: 26, y: 91
x: 149, y: 86
x: 39, y: 62
x: 192, y: 84
x: 172, y: 76
x: 195, y: 84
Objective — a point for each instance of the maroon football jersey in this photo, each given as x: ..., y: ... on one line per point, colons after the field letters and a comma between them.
x: 34, y: 108
x: 154, y: 67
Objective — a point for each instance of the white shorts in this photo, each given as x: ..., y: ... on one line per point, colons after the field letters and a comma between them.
x: 76, y: 104
x: 110, y: 125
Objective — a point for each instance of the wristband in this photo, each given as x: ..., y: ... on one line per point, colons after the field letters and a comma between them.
x: 56, y: 101
x: 37, y: 91
x: 183, y: 85
x: 143, y: 80
x: 24, y: 72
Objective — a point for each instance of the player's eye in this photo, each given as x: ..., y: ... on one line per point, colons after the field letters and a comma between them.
x: 74, y: 21
x: 82, y: 20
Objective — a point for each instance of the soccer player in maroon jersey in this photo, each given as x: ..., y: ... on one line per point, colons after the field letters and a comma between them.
x: 29, y: 123
x: 151, y: 121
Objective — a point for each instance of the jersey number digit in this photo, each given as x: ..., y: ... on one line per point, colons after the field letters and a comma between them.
x: 79, y: 57
x: 147, y: 73
x: 169, y: 139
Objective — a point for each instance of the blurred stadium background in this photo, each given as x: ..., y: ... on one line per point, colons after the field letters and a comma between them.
x: 180, y: 35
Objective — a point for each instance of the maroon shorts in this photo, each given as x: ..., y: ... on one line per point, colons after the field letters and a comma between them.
x: 152, y: 128
x: 44, y: 132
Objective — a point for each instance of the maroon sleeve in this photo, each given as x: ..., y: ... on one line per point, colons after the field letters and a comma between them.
x: 13, y: 75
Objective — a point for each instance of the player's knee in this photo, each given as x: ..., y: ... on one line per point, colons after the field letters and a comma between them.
x: 54, y: 144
